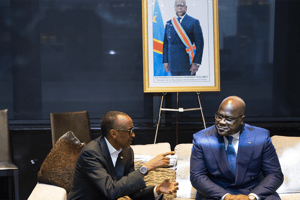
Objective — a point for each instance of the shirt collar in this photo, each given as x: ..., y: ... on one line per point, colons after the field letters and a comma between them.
x: 111, y: 149
x: 181, y: 17
x: 236, y: 135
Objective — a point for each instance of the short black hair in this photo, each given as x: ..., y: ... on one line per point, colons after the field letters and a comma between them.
x: 109, y: 120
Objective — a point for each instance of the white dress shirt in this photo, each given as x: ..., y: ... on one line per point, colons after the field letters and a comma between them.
x: 114, y: 153
x: 235, y: 142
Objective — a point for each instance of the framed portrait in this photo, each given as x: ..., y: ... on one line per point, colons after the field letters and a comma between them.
x: 181, y: 45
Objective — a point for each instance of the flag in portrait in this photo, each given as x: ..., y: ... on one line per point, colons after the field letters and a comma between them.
x: 158, y: 38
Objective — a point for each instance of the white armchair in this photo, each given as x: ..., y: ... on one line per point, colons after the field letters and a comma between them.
x: 48, y: 192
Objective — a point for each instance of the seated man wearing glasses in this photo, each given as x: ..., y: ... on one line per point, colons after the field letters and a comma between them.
x: 105, y: 167
x: 233, y: 160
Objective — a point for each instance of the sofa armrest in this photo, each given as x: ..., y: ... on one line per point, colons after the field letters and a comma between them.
x: 48, y: 192
x: 186, y: 190
x: 288, y: 150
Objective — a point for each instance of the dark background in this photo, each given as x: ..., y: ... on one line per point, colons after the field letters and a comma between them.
x: 59, y: 56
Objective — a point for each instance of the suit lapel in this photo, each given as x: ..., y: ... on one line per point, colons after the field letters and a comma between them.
x: 246, y: 144
x: 173, y: 35
x: 106, y: 155
x: 218, y: 148
x: 185, y: 21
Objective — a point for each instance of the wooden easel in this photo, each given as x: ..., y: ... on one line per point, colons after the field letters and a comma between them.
x: 177, y: 110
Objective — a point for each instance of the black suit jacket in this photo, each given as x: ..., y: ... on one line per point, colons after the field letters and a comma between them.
x: 96, y: 178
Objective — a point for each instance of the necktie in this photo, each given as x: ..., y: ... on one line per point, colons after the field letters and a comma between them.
x: 179, y: 18
x: 119, y: 168
x: 231, y: 155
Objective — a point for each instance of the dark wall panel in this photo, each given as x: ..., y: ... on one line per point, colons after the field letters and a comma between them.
x: 59, y: 56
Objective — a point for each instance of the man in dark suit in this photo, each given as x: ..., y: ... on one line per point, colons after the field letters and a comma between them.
x: 105, y: 167
x: 233, y: 160
x: 175, y: 57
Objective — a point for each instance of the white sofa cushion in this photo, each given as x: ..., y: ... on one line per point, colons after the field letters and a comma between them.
x: 144, y: 153
x: 151, y: 149
x: 186, y: 190
x: 48, y: 192
x: 288, y: 151
x: 295, y: 196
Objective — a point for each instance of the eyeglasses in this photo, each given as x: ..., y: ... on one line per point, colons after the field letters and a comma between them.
x: 130, y: 130
x: 179, y: 5
x: 228, y: 120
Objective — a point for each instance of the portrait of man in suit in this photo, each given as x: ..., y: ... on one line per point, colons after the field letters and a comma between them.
x: 233, y: 160
x: 105, y: 167
x: 183, y: 43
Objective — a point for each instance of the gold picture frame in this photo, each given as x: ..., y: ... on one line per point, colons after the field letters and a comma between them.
x: 208, y: 76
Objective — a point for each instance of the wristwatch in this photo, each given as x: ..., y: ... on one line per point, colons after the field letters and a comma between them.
x: 144, y: 170
x: 251, y: 197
